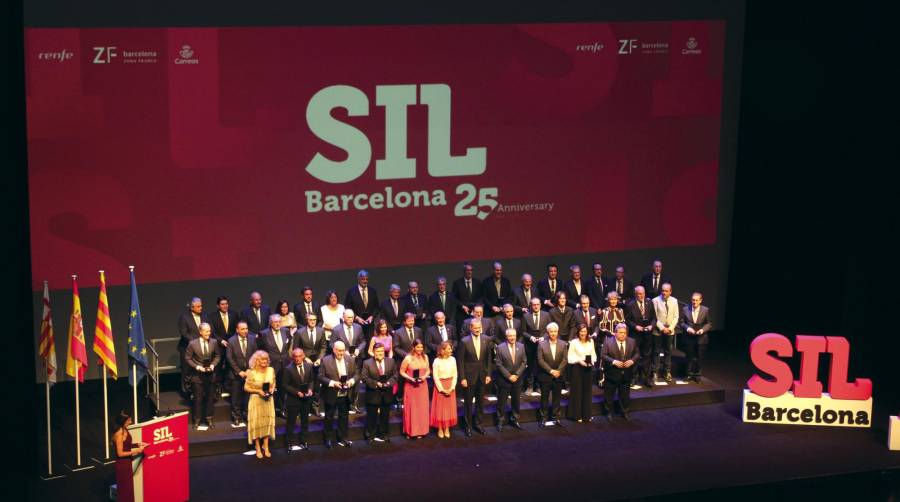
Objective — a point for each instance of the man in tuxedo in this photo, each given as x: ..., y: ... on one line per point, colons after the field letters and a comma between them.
x: 587, y: 315
x: 619, y: 355
x: 379, y: 375
x: 547, y: 288
x: 276, y: 341
x: 640, y: 316
x: 574, y: 287
x: 351, y: 335
x: 563, y: 316
x: 487, y: 327
x: 311, y: 338
x: 510, y: 367
x: 654, y: 280
x: 597, y: 287
x: 240, y: 347
x: 439, y: 333
x: 467, y: 292
x: 223, y: 321
x: 534, y: 324
x: 364, y: 301
x: 505, y: 322
x: 666, y: 307
x: 417, y: 303
x: 552, y: 360
x: 522, y: 296
x: 189, y: 330
x: 201, y: 359
x: 392, y: 308
x: 299, y: 388
x: 622, y: 286
x: 337, y: 376
x: 306, y: 306
x: 496, y: 290
x: 473, y: 360
x: 256, y: 315
x: 442, y: 301
x: 695, y: 323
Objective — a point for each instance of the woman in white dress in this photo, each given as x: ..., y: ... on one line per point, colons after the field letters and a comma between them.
x: 332, y: 312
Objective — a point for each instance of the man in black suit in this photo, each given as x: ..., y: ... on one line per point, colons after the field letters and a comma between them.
x: 442, y: 301
x: 497, y: 291
x: 417, y: 303
x: 379, y: 375
x: 534, y: 323
x: 392, y: 308
x: 505, y: 322
x: 473, y: 360
x: 587, y: 315
x: 223, y: 321
x: 574, y: 287
x: 547, y: 288
x: 256, y: 315
x: 189, y: 330
x: 337, y: 376
x: 619, y: 355
x: 201, y: 359
x: 276, y: 341
x: 695, y: 324
x: 306, y: 306
x: 654, y: 280
x: 640, y: 316
x: 467, y: 292
x: 563, y: 316
x: 403, y: 338
x: 299, y: 388
x: 597, y: 287
x: 522, y: 296
x: 552, y: 361
x: 351, y: 335
x: 622, y: 286
x: 510, y: 367
x: 240, y: 347
x: 362, y: 300
x: 487, y: 327
x: 439, y: 333
x: 311, y: 338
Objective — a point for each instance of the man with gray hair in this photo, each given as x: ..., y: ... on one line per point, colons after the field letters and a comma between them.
x: 363, y: 300
x: 523, y: 294
x: 443, y: 301
x: 189, y: 330
x: 277, y: 342
x: 417, y: 303
x: 393, y: 308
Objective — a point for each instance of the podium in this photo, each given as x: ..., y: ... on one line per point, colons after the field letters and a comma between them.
x: 161, y: 474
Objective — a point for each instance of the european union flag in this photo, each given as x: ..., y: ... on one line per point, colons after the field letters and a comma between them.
x: 137, y: 352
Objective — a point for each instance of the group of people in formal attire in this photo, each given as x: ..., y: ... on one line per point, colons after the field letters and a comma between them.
x: 417, y: 353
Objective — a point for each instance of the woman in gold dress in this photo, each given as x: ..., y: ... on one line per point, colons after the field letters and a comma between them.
x: 261, y: 408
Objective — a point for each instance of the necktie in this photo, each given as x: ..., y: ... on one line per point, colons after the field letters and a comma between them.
x: 443, y: 334
x: 497, y: 286
x: 244, y: 346
x: 553, y: 285
x: 409, y: 333
x: 279, y: 342
x: 641, y: 306
x: 225, y: 321
x: 587, y: 318
x: 476, y: 341
x: 308, y: 308
x: 258, y: 319
x: 695, y: 315
x: 415, y: 301
x: 380, y: 368
x: 537, y: 322
x: 512, y: 353
x: 394, y: 303
x: 312, y: 335
x: 197, y: 320
x: 365, y: 296
x: 528, y: 295
x: 619, y: 287
x: 622, y: 349
x: 553, y: 351
x: 469, y: 287
x: 300, y: 367
x: 655, y: 282
x: 349, y: 334
x: 205, y: 349
x: 509, y: 324
x: 443, y: 304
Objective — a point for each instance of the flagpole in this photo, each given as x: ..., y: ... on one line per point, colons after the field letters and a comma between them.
x: 49, y: 443
x: 78, y: 466
x: 134, y: 392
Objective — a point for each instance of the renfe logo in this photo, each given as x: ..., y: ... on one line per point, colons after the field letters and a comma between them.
x: 784, y: 400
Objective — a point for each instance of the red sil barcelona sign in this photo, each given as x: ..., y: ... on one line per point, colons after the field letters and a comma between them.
x: 780, y: 399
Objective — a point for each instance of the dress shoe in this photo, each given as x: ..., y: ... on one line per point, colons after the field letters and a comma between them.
x: 196, y: 425
x: 212, y: 425
x: 328, y: 444
x: 558, y: 423
x: 626, y: 416
x: 499, y: 427
x: 345, y: 443
x: 669, y: 378
x: 479, y: 430
x: 304, y: 445
x: 468, y: 433
x: 649, y: 383
x: 516, y: 424
x: 609, y: 417
x: 541, y: 424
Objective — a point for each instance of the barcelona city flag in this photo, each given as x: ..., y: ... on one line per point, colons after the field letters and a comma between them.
x: 137, y: 353
x: 47, y: 344
x: 76, y: 359
x: 104, y: 346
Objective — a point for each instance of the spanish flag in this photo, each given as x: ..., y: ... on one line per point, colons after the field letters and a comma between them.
x: 103, y: 337
x: 76, y: 359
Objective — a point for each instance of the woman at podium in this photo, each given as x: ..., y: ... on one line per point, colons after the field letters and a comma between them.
x: 125, y: 451
x: 260, y: 385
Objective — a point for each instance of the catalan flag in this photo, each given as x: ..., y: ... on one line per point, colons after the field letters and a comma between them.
x: 47, y: 343
x: 76, y: 359
x: 104, y: 346
x: 137, y: 353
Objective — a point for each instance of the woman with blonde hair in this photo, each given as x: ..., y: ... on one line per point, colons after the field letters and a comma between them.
x: 260, y: 385
x: 443, y: 401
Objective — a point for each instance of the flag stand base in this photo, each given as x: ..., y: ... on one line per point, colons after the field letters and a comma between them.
x: 103, y: 462
x: 50, y: 477
x: 77, y: 468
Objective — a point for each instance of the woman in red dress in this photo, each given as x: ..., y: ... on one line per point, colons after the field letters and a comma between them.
x: 415, y: 393
x: 125, y: 451
x: 443, y: 402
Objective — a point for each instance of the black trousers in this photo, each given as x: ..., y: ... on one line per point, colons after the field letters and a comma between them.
x: 238, y: 399
x: 529, y: 380
x: 203, y: 398
x: 645, y: 347
x: 694, y: 351
x: 620, y: 387
x: 512, y: 391
x: 297, y: 408
x: 378, y: 417
x: 580, y: 395
x: 473, y: 395
x: 662, y: 354
x: 341, y: 407
x: 550, y: 391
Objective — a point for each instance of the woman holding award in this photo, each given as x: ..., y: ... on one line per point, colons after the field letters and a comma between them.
x: 414, y: 369
x: 443, y: 402
x: 260, y: 385
x: 581, y: 358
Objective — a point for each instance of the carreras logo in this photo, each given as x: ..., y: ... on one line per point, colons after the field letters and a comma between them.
x: 186, y: 56
x: 60, y: 56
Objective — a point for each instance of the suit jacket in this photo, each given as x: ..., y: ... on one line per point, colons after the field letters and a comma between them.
x: 238, y: 362
x: 572, y: 296
x: 266, y: 341
x: 520, y: 301
x: 540, y: 328
x: 370, y: 377
x: 253, y: 324
x: 666, y: 313
x: 627, y: 290
x: 506, y: 366
x: 591, y: 322
x: 218, y: 327
x: 546, y: 293
x: 353, y: 300
x: 402, y: 344
x: 489, y: 292
x: 468, y: 366
x: 193, y: 356
x: 359, y: 339
x: 610, y: 352
x: 647, y: 282
x: 433, y: 338
x: 328, y: 371
x: 188, y: 329
x: 598, y: 292
x: 633, y: 316
x: 547, y: 362
x: 703, y: 322
x: 421, y: 310
x: 565, y: 320
x: 500, y: 329
x: 292, y: 382
x: 450, y: 309
x: 313, y: 351
x: 300, y: 313
x: 487, y: 327
x: 386, y: 312
x: 462, y: 294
